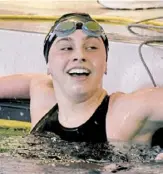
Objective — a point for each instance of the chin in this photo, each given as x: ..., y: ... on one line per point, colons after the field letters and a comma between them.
x: 82, y: 93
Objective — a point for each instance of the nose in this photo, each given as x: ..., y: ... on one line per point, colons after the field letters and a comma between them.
x: 79, y: 55
x: 79, y: 59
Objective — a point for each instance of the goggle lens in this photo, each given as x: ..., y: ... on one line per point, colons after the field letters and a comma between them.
x: 68, y: 27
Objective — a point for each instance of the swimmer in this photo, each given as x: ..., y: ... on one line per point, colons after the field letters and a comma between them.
x: 70, y: 100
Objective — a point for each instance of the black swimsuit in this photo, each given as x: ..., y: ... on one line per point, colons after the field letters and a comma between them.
x: 93, y: 130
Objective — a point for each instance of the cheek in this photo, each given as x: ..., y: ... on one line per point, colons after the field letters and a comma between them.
x: 57, y: 64
x: 99, y: 62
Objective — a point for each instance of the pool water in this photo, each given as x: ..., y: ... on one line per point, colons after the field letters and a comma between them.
x: 46, y: 153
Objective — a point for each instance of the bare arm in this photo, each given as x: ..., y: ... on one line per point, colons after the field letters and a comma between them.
x: 16, y: 86
x: 124, y: 119
x: 155, y: 103
x: 42, y: 98
x: 138, y: 114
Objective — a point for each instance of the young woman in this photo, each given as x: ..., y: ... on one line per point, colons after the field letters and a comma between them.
x: 70, y: 99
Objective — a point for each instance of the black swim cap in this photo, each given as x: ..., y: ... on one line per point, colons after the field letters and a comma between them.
x: 84, y: 17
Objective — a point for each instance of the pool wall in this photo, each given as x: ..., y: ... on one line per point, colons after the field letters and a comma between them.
x: 22, y: 52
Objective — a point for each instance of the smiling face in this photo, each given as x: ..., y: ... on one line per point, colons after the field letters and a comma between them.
x: 77, y: 64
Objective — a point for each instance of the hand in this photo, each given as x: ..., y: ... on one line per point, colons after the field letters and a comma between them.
x: 159, y: 157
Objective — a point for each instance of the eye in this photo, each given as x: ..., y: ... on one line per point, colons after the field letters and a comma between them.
x: 66, y: 49
x: 91, y: 48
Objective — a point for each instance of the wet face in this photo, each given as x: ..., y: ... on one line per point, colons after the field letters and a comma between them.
x: 77, y: 63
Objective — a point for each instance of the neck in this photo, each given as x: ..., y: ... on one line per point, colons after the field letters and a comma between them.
x: 73, y: 113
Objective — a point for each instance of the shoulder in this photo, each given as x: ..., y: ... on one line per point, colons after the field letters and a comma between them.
x: 137, y: 102
x: 42, y: 86
x: 42, y: 97
x: 137, y: 96
x: 114, y: 98
x: 43, y: 80
x: 126, y: 113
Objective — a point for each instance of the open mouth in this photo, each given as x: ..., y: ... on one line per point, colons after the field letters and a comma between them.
x: 79, y: 72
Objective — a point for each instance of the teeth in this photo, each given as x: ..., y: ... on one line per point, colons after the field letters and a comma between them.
x: 78, y: 71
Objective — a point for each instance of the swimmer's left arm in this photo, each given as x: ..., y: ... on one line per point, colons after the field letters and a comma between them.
x: 154, y: 104
x: 127, y: 115
x: 151, y: 114
x: 149, y: 103
x: 131, y: 112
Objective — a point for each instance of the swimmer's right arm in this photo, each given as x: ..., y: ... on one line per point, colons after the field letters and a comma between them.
x: 17, y: 86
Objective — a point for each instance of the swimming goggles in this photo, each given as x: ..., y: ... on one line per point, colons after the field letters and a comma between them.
x: 90, y: 28
x: 65, y: 28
